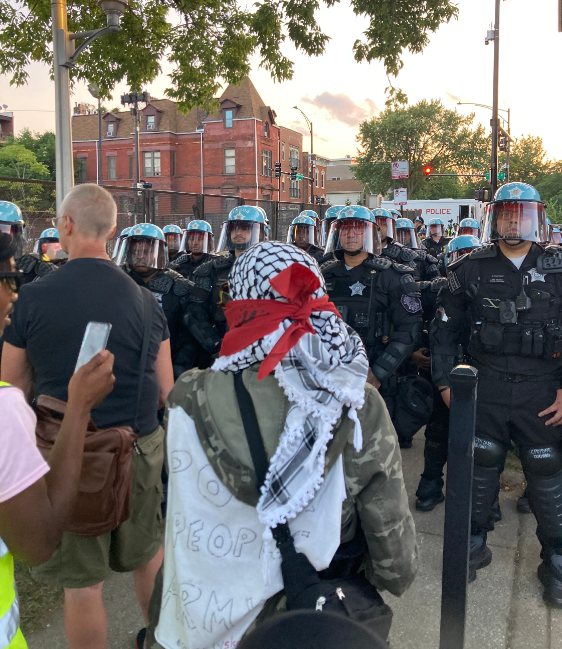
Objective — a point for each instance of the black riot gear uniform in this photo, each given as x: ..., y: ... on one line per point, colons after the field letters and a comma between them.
x: 33, y: 267
x: 211, y: 288
x: 515, y: 342
x: 185, y: 264
x: 423, y: 264
x: 172, y: 292
x: 435, y: 247
x: 318, y: 254
x: 381, y: 301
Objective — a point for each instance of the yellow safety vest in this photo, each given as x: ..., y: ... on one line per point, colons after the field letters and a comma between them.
x: 10, y: 633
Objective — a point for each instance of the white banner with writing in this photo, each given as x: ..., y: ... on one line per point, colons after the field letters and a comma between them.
x: 214, y: 586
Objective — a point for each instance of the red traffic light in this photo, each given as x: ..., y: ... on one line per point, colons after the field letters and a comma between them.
x: 427, y: 170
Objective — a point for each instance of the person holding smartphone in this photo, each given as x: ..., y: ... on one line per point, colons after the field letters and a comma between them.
x: 36, y: 498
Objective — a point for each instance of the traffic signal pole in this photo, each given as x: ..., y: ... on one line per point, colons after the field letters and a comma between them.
x: 494, y: 165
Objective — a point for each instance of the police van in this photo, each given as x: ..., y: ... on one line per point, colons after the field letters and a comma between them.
x: 447, y: 209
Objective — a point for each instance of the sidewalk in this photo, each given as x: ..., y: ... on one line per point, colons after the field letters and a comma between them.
x: 506, y: 610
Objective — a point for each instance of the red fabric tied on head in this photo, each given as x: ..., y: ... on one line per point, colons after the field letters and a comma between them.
x: 250, y: 320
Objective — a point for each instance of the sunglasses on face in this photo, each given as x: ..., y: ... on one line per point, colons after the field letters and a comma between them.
x: 12, y: 281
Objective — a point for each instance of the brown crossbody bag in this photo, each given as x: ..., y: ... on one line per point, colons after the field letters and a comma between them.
x: 104, y: 490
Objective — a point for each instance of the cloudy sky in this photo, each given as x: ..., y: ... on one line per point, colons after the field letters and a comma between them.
x: 337, y: 93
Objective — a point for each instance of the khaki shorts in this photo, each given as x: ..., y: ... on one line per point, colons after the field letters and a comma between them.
x: 80, y: 561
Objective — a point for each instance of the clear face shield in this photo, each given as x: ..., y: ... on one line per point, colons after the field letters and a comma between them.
x: 197, y: 242
x: 435, y: 230
x: 354, y: 236
x: 325, y: 231
x: 516, y: 221
x: 473, y: 232
x: 301, y: 235
x: 174, y: 241
x: 51, y: 250
x: 143, y: 254
x: 386, y: 226
x: 240, y: 235
x: 556, y: 237
x: 117, y: 248
x: 452, y: 256
x: 407, y: 237
x: 19, y: 237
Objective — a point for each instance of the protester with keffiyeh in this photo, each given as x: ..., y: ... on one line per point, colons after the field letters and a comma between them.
x: 328, y: 437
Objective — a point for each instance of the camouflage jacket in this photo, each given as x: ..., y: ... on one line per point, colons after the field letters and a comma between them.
x: 374, y: 482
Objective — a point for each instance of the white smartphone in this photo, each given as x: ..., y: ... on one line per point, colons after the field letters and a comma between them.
x: 94, y: 341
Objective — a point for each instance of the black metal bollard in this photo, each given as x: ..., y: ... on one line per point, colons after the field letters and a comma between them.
x: 458, y: 505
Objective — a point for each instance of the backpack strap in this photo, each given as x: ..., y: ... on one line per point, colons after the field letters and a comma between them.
x: 147, y: 329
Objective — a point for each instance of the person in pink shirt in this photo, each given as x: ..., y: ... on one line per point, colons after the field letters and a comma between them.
x: 36, y: 498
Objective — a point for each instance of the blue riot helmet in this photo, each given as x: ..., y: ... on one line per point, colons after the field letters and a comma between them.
x: 173, y: 235
x: 49, y: 248
x: 198, y: 238
x: 245, y: 227
x: 385, y: 219
x: 312, y: 214
x: 435, y: 228
x: 516, y: 214
x: 266, y: 226
x: 144, y: 249
x: 556, y: 236
x: 469, y: 226
x: 11, y: 222
x: 330, y: 215
x: 118, y: 243
x: 459, y: 246
x: 354, y: 231
x: 406, y: 233
x: 302, y: 231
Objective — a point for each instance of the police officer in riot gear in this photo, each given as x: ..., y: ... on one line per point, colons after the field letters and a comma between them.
x: 197, y: 242
x: 376, y: 296
x: 511, y: 291
x: 435, y: 241
x: 245, y: 227
x: 430, y: 490
x: 30, y: 264
x: 470, y: 227
x: 330, y: 215
x: 144, y: 257
x: 48, y: 246
x: 173, y: 235
x: 303, y: 233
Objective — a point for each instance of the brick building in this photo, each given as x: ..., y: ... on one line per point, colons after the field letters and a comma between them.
x: 230, y: 152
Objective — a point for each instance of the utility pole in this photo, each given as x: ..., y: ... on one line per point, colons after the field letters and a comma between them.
x: 508, y: 145
x: 311, y: 165
x: 495, y: 102
x: 133, y: 99
x: 94, y: 91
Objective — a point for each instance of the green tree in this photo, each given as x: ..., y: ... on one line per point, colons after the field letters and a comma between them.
x: 42, y: 145
x: 426, y: 133
x: 528, y: 162
x: 16, y: 161
x: 209, y: 41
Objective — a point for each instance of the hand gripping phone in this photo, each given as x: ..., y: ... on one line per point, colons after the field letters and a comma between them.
x: 94, y: 341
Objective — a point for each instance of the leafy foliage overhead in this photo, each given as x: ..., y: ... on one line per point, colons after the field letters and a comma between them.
x: 209, y: 41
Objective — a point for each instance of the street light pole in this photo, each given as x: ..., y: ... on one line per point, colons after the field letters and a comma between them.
x: 309, y: 124
x: 494, y: 165
x: 94, y: 91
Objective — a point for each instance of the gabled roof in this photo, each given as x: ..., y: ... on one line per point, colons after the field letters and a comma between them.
x: 247, y: 97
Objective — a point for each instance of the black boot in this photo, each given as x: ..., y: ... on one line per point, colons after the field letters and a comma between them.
x: 405, y: 442
x: 480, y: 556
x: 550, y: 576
x: 429, y: 494
x: 523, y: 505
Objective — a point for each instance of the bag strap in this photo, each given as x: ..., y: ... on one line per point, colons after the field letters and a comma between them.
x: 147, y: 330
x: 281, y: 533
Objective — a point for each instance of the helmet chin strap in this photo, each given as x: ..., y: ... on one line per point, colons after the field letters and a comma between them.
x: 516, y: 242
x: 354, y: 253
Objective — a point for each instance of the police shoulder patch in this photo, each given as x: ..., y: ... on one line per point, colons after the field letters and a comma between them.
x: 411, y: 303
x: 483, y: 252
x: 161, y: 283
x: 379, y: 263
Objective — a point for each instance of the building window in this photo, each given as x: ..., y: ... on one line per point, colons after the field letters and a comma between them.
x: 266, y: 163
x: 155, y: 204
x: 151, y: 122
x: 151, y: 163
x: 316, y: 177
x: 294, y: 190
x: 228, y: 115
x: 266, y: 129
x: 282, y: 150
x: 82, y: 169
x: 111, y: 129
x: 173, y: 163
x: 294, y: 157
x: 111, y: 167
x: 229, y: 161
x: 334, y: 178
x: 323, y: 178
x: 131, y: 166
x: 283, y: 184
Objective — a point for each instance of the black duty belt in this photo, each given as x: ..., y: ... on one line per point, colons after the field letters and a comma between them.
x: 511, y: 377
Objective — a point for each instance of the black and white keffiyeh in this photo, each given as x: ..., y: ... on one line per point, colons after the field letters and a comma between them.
x: 320, y: 375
